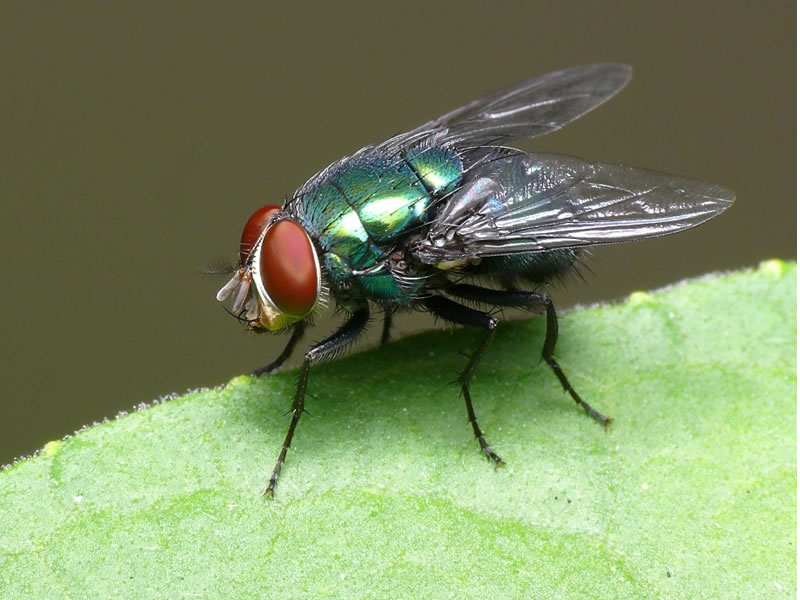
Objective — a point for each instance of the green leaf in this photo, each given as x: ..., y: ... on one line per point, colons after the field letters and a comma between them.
x: 689, y: 494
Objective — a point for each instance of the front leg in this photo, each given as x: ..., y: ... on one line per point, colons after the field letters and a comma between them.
x: 324, y: 350
x: 297, y: 333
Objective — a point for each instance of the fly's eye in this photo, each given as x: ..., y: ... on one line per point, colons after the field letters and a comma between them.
x: 288, y: 268
x: 253, y: 230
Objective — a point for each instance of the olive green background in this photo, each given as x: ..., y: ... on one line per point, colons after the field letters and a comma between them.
x: 136, y: 139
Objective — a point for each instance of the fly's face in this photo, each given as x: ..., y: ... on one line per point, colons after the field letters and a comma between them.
x: 278, y: 281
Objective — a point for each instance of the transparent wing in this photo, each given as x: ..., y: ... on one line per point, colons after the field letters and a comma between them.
x: 537, y: 202
x: 530, y: 108
x: 527, y: 109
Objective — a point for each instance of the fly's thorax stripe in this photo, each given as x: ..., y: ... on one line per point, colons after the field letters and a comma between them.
x: 438, y: 169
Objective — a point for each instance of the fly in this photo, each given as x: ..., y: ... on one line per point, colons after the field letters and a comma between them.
x: 426, y: 219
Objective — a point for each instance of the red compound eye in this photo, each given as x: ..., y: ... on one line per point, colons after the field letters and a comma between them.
x: 288, y: 268
x: 254, y: 228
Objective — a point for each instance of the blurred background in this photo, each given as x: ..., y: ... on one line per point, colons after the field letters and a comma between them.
x: 137, y: 138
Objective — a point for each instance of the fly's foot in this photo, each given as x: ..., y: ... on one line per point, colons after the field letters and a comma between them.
x: 597, y: 416
x: 496, y: 459
x: 269, y: 492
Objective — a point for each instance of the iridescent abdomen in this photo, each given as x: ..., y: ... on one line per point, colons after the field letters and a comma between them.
x: 360, y: 210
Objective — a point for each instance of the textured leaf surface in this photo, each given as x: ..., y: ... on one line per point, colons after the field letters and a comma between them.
x: 690, y: 493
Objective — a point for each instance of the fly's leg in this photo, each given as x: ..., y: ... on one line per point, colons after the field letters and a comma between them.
x: 387, y: 327
x: 461, y: 315
x: 324, y: 350
x: 531, y: 301
x: 550, y: 338
x: 297, y: 333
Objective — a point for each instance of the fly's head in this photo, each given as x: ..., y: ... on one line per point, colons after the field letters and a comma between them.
x: 278, y: 281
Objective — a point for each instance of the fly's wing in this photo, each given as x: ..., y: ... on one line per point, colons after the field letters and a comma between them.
x: 529, y: 108
x: 539, y: 202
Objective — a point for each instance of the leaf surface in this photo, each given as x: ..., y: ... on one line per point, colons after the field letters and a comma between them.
x: 691, y: 493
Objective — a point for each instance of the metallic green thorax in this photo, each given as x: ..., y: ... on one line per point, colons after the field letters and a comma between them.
x: 359, y: 211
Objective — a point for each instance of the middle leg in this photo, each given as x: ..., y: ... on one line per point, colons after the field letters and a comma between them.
x: 532, y: 301
x: 462, y: 315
